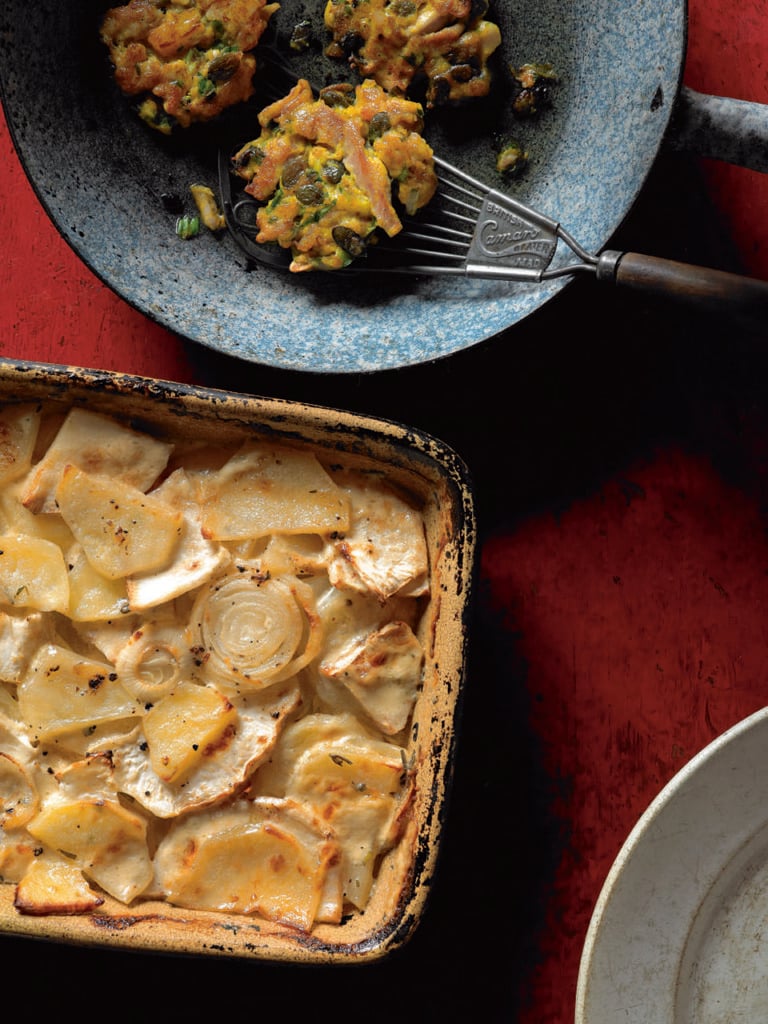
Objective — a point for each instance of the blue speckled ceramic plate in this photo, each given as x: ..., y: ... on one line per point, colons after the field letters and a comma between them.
x: 105, y: 181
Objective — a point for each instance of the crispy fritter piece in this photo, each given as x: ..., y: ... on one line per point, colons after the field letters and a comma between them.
x: 327, y: 166
x: 446, y: 42
x: 532, y: 88
x: 190, y: 59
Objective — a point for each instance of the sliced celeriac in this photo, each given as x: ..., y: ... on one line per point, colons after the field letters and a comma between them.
x: 383, y: 673
x: 21, y: 636
x: 16, y: 744
x: 18, y: 793
x: 9, y: 706
x: 107, y: 638
x: 97, y: 444
x: 349, y: 618
x: 195, y: 559
x: 97, y: 737
x: 384, y: 551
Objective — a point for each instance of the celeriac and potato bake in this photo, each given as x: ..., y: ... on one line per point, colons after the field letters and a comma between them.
x: 209, y: 658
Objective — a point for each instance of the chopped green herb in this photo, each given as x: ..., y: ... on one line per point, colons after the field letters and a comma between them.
x: 188, y: 227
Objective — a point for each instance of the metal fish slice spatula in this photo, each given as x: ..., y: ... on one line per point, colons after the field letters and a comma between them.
x: 471, y: 230
x: 476, y: 231
x: 468, y: 230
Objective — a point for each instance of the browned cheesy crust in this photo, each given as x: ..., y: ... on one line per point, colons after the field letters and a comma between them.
x: 189, y: 60
x: 446, y: 42
x: 326, y: 167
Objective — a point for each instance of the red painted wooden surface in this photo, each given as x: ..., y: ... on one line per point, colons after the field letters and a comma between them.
x: 636, y: 610
x: 728, y: 56
x: 637, y: 605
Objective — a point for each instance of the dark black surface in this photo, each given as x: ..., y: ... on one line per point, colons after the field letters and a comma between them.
x: 542, y: 417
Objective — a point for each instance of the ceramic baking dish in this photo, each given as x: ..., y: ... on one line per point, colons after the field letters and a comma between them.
x: 436, y: 476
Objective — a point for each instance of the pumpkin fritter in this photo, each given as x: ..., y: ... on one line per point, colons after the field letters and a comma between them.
x: 326, y: 168
x: 189, y: 59
x: 445, y: 42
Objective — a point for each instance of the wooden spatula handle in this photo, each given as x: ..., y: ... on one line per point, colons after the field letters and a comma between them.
x: 717, y: 291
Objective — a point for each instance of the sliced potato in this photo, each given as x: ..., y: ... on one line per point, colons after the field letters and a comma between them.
x: 18, y: 793
x: 93, y: 597
x: 223, y: 770
x: 52, y: 885
x: 356, y: 791
x: 17, y: 853
x: 33, y: 574
x: 97, y: 444
x: 353, y: 781
x: 253, y: 869
x: 19, y: 425
x: 270, y: 858
x: 18, y: 519
x: 64, y: 691
x: 185, y: 727
x: 107, y: 841
x: 293, y: 555
x: 122, y: 530
x: 263, y: 490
